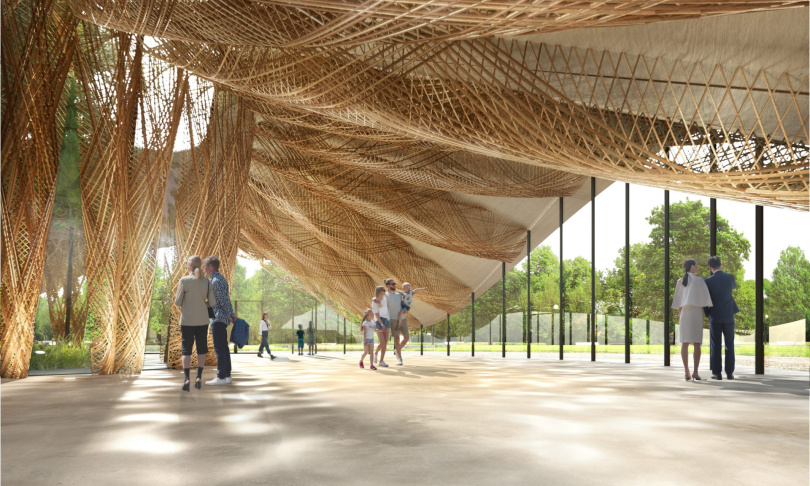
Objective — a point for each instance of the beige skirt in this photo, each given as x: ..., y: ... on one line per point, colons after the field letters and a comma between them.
x: 691, y: 324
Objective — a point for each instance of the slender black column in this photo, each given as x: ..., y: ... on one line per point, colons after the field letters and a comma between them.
x: 592, y: 317
x: 236, y: 311
x: 667, y: 306
x: 503, y: 302
x: 292, y: 326
x: 448, y: 334
x: 759, y: 346
x: 712, y: 227
x: 528, y: 294
x: 472, y: 298
x: 421, y: 340
x: 627, y: 272
x: 562, y: 286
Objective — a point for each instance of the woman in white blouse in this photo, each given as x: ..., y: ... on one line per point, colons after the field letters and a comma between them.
x: 691, y: 296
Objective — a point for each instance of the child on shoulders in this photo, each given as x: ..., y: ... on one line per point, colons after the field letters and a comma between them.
x: 407, y: 300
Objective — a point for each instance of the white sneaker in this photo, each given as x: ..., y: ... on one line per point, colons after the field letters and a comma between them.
x: 382, y: 363
x: 228, y: 379
x: 217, y: 382
x: 400, y: 362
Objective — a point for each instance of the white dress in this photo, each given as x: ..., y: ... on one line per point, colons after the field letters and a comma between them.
x: 691, y: 300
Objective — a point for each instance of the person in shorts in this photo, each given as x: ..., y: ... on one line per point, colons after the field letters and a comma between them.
x: 368, y: 338
x: 407, y: 300
x: 300, y: 333
x: 379, y: 307
x: 398, y: 328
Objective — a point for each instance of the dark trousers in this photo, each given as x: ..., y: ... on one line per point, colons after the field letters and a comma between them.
x: 219, y: 332
x: 264, y: 344
x: 726, y: 330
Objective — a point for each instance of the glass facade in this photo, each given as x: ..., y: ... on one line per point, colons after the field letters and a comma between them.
x: 785, y: 291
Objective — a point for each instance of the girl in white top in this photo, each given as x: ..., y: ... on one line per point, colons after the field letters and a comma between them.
x: 368, y: 338
x: 691, y: 296
x: 379, y: 306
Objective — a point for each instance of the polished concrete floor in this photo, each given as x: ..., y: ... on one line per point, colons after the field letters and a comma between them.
x: 436, y: 420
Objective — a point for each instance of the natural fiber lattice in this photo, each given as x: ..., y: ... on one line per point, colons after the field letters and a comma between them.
x: 412, y: 163
x: 211, y: 192
x: 428, y: 215
x: 355, y: 239
x: 589, y: 112
x: 37, y: 47
x: 133, y: 110
x: 314, y: 23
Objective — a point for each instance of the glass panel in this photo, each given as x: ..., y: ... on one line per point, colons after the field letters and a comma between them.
x: 610, y: 226
x: 516, y: 311
x: 787, y: 289
x: 545, y: 268
x: 690, y: 238
x: 647, y: 274
x: 488, y: 309
x: 736, y: 235
x: 461, y: 331
x: 577, y: 282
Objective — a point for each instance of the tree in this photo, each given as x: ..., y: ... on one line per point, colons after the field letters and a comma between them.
x: 689, y: 238
x: 160, y: 311
x: 745, y: 296
x: 789, y: 293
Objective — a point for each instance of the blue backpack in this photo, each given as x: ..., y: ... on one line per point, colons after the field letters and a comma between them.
x: 240, y: 332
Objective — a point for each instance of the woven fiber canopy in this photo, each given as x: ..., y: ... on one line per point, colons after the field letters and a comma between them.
x: 350, y: 141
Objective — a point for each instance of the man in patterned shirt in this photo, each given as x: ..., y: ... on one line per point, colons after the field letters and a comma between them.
x: 223, y: 315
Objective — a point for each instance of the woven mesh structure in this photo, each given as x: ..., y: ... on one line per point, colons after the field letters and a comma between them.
x: 211, y: 191
x: 37, y: 46
x: 352, y: 140
x: 133, y: 108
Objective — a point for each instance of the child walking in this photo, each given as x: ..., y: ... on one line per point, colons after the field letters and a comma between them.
x: 300, y: 334
x: 368, y: 339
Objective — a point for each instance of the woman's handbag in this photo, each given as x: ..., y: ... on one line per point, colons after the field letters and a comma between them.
x: 210, y: 309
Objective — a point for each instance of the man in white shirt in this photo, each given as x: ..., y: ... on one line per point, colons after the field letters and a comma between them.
x: 264, y: 327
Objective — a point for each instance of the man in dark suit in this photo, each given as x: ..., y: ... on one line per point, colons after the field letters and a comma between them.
x: 721, y: 318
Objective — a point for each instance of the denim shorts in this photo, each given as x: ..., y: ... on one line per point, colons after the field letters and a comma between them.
x: 385, y: 322
x: 370, y: 341
x: 378, y: 326
x: 406, y: 307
